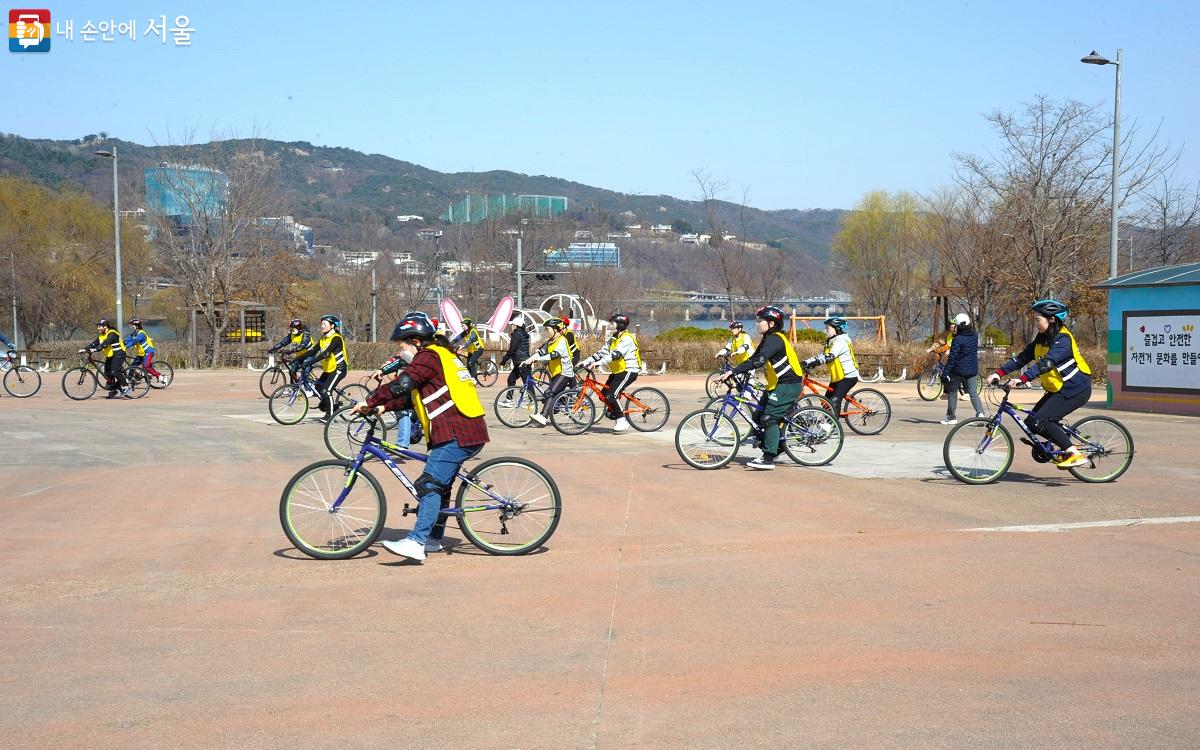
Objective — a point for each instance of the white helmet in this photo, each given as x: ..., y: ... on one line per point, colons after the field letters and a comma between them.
x: 962, y: 319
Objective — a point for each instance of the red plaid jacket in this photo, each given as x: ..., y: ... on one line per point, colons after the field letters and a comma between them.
x: 426, y: 372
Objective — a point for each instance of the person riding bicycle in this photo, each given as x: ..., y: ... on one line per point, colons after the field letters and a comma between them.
x: 518, y: 350
x: 441, y: 390
x: 408, y: 427
x: 624, y: 360
x: 739, y: 346
x: 962, y: 368
x: 297, y: 344
x: 569, y: 335
x: 143, y: 348
x: 108, y: 342
x: 473, y: 342
x: 557, y: 357
x: 332, y: 356
x: 839, y: 355
x: 1064, y: 374
x: 785, y: 381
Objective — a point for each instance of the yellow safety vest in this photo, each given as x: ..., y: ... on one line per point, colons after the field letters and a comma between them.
x: 459, y: 385
x: 554, y: 366
x: 474, y: 342
x: 1053, y: 381
x: 836, y: 372
x: 140, y: 349
x: 781, y: 365
x: 330, y: 363
x: 115, y: 343
x: 296, y: 339
x: 742, y: 339
x: 618, y: 366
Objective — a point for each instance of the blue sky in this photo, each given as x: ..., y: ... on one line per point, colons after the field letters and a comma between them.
x: 795, y: 105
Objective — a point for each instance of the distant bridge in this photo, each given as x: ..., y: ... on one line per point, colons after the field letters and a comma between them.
x: 716, y: 302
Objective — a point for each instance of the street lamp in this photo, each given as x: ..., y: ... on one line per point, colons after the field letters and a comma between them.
x: 116, y: 228
x: 16, y: 331
x: 1094, y: 59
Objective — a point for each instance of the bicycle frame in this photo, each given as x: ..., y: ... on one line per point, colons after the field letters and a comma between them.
x: 588, y: 383
x: 1046, y: 446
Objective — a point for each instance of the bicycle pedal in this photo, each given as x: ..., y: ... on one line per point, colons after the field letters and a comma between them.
x: 406, y: 510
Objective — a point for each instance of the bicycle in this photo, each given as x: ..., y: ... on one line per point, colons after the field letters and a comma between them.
x: 865, y: 410
x: 712, y: 383
x: 20, y: 381
x: 710, y: 438
x: 504, y: 506
x: 345, y: 432
x: 80, y: 383
x: 277, y: 375
x: 980, y: 451
x: 486, y: 371
x: 930, y: 384
x: 573, y: 411
x: 288, y: 404
x: 516, y: 404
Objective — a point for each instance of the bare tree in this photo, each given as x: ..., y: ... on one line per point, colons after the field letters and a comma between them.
x: 727, y: 259
x: 1170, y: 224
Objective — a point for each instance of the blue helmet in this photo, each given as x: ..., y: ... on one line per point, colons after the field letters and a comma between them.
x: 334, y: 320
x: 1051, y: 308
x: 836, y: 323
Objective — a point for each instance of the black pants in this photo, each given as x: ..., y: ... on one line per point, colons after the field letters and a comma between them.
x: 518, y: 374
x: 617, y: 383
x: 114, y: 370
x: 1049, y: 411
x: 837, y: 391
x: 558, y: 384
x: 473, y: 362
x: 325, y: 385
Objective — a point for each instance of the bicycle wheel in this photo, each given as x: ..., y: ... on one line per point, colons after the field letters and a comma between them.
x: 288, y: 404
x: 870, y: 415
x: 572, y: 412
x: 541, y: 375
x: 707, y: 439
x: 814, y: 401
x: 310, y: 521
x: 345, y: 433
x: 515, y: 406
x: 712, y: 384
x: 487, y: 373
x: 653, y: 412
x: 1109, y: 446
x: 138, y: 380
x: 79, y: 383
x: 812, y: 436
x: 739, y: 417
x: 929, y: 385
x: 271, y: 379
x: 975, y: 452
x: 354, y: 392
x: 166, y: 375
x: 510, y: 507
x: 22, y: 381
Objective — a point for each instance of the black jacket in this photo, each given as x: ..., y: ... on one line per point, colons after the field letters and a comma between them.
x: 963, y: 358
x: 518, y: 347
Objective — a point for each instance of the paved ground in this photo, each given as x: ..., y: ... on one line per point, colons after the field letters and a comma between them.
x: 149, y: 598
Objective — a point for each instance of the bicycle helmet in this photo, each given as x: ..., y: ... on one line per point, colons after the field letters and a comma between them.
x: 621, y: 320
x: 415, y: 325
x: 334, y: 320
x: 771, y: 314
x: 735, y: 325
x: 836, y: 323
x: 962, y: 319
x: 1050, y: 308
x: 135, y: 322
x: 295, y: 323
x: 468, y: 322
x: 102, y: 323
x: 554, y: 323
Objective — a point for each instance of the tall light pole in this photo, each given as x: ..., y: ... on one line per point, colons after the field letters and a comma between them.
x: 116, y: 229
x: 1094, y: 59
x: 374, y: 296
x: 16, y: 331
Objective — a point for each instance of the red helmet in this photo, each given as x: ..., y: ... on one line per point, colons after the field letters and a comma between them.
x: 771, y: 314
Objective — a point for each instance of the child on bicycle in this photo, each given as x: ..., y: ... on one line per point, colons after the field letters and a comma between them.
x: 785, y: 381
x: 739, y: 346
x: 441, y: 390
x: 298, y: 344
x: 624, y: 363
x: 839, y: 355
x: 557, y: 356
x: 1063, y: 372
x: 332, y: 356
x: 472, y: 342
x: 108, y: 342
x: 143, y: 348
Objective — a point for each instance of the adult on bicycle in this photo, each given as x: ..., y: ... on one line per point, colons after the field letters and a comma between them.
x: 624, y: 363
x: 108, y: 342
x: 143, y: 348
x: 298, y: 344
x: 518, y: 350
x: 785, y: 380
x: 473, y: 344
x: 839, y: 355
x: 442, y: 392
x: 332, y: 357
x: 1064, y: 374
x: 962, y: 368
x: 557, y: 357
x: 739, y: 346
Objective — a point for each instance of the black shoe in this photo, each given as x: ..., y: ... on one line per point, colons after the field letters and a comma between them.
x: 111, y: 394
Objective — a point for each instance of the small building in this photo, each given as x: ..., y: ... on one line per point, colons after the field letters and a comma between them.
x: 661, y: 229
x: 585, y: 254
x: 1154, y: 340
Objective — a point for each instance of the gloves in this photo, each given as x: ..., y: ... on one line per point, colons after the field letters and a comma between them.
x: 993, y: 379
x: 810, y: 362
x: 81, y: 351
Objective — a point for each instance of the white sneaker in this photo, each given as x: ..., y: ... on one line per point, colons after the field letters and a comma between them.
x: 406, y: 548
x: 949, y: 420
x: 981, y: 415
x: 507, y: 403
x: 621, y: 425
x: 434, y: 545
x: 541, y: 420
x: 963, y: 397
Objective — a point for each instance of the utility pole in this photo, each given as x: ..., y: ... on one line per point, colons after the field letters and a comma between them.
x: 520, y: 279
x: 16, y: 332
x: 374, y: 294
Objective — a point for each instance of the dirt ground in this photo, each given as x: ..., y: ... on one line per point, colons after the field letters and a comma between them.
x: 149, y: 598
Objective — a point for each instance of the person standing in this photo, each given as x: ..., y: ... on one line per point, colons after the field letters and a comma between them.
x: 962, y: 368
x: 518, y: 351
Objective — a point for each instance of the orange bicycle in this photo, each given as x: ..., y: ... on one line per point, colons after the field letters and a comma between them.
x: 866, y: 410
x: 574, y: 410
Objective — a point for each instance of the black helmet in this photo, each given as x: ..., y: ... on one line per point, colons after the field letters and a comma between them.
x: 136, y: 322
x: 334, y: 320
x: 555, y: 323
x: 1051, y: 308
x: 771, y: 314
x: 295, y: 323
x: 620, y: 320
x: 836, y: 323
x: 737, y: 324
x: 468, y: 322
x: 102, y: 323
x: 415, y: 325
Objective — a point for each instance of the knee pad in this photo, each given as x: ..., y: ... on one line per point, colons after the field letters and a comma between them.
x: 426, y: 484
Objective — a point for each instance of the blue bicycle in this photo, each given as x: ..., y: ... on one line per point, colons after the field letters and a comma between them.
x: 516, y: 404
x: 930, y: 383
x: 333, y: 510
x: 288, y: 404
x: 980, y: 451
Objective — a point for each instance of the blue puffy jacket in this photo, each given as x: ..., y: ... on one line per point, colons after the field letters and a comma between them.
x: 963, y: 358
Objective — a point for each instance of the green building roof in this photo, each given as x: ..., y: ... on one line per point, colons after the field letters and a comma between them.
x: 1181, y: 275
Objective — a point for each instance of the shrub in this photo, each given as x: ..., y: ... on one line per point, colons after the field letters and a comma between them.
x: 810, y: 334
x: 997, y: 337
x: 692, y: 333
